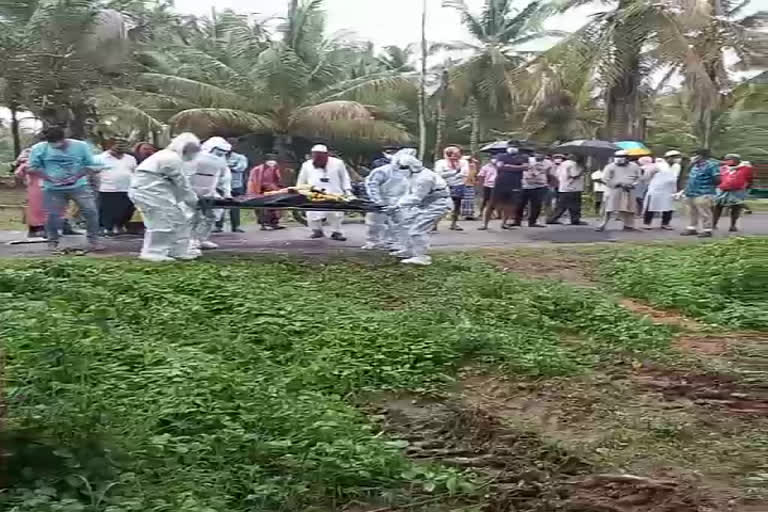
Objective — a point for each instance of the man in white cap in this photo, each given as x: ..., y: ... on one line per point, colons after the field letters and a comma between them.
x: 675, y: 160
x: 328, y: 174
x: 621, y: 178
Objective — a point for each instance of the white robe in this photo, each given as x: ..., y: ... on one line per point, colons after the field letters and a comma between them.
x: 334, y: 179
x: 661, y: 189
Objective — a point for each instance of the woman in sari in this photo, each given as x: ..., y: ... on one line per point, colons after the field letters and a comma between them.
x: 34, y: 213
x: 266, y: 177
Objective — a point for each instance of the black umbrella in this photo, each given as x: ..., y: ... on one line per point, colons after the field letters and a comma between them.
x: 495, y: 147
x: 597, y: 148
x: 501, y: 146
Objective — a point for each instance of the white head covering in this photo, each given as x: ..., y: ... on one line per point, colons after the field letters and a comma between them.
x: 673, y: 153
x: 513, y: 151
x: 412, y: 162
x: 403, y: 154
x: 216, y: 143
x: 181, y: 141
x: 319, y: 148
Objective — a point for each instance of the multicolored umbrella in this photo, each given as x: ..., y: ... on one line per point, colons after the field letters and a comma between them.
x: 629, y: 145
x: 639, y: 152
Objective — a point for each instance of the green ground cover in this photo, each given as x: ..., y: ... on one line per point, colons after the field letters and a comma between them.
x: 231, y: 385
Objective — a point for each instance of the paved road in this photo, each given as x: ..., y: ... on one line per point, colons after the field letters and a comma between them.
x: 294, y: 239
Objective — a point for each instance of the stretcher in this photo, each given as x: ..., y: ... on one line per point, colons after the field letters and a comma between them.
x: 291, y: 201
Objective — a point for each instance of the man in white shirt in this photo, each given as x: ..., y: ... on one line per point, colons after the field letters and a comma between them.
x: 115, y: 208
x: 570, y: 177
x: 598, y: 189
x: 329, y: 174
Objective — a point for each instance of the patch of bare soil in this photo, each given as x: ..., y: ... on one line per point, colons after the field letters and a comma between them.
x: 661, y: 317
x: 521, y: 471
x: 567, y: 267
x: 712, y: 391
x: 702, y: 442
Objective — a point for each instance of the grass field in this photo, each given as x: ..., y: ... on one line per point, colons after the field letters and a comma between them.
x: 253, y: 384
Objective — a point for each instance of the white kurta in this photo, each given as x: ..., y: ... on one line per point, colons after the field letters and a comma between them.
x: 333, y: 179
x: 615, y: 176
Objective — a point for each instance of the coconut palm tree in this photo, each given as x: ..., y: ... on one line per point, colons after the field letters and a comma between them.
x: 486, y: 79
x: 622, y: 48
x: 54, y: 53
x: 230, y: 79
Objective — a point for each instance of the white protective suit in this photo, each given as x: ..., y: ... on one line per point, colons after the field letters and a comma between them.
x: 385, y: 186
x: 428, y: 198
x: 163, y: 195
x: 334, y: 179
x: 210, y: 178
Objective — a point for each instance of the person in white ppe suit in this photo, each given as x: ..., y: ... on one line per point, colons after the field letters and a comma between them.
x: 211, y: 178
x: 427, y: 199
x: 328, y: 174
x: 385, y: 186
x: 163, y: 195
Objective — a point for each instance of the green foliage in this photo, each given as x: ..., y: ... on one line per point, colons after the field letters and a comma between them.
x: 228, y: 386
x: 724, y: 283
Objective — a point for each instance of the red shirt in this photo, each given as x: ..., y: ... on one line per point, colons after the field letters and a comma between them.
x: 738, y: 178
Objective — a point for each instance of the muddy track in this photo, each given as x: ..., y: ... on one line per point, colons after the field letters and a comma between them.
x: 520, y: 471
x: 712, y: 391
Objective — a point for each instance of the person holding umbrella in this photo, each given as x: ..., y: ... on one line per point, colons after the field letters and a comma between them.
x: 570, y: 178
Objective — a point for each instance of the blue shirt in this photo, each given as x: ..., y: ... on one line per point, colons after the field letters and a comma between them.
x: 701, y: 180
x: 60, y: 165
x: 238, y: 164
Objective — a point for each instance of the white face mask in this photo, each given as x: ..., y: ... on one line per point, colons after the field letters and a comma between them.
x: 620, y: 160
x: 558, y: 160
x: 271, y: 163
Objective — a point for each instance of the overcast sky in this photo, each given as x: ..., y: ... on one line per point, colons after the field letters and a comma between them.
x: 385, y: 22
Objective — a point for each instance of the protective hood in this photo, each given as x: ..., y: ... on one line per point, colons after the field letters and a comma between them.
x: 402, y: 154
x: 413, y: 163
x: 181, y: 141
x: 216, y: 143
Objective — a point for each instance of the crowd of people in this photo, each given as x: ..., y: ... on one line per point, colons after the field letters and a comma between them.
x: 522, y: 184
x: 106, y: 189
x: 173, y: 189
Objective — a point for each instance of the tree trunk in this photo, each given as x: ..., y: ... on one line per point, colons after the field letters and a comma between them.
x: 442, y: 99
x: 77, y: 126
x: 474, y: 138
x: 13, y: 107
x: 623, y: 103
x: 623, y: 107
x: 423, y: 85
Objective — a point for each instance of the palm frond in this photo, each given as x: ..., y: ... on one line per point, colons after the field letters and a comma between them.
x: 213, y: 121
x: 472, y: 22
x: 376, y: 84
x: 207, y: 95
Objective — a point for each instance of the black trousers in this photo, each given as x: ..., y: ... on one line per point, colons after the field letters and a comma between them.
x: 534, y: 199
x: 666, y: 218
x: 570, y: 202
x: 115, y: 209
x: 234, y: 213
